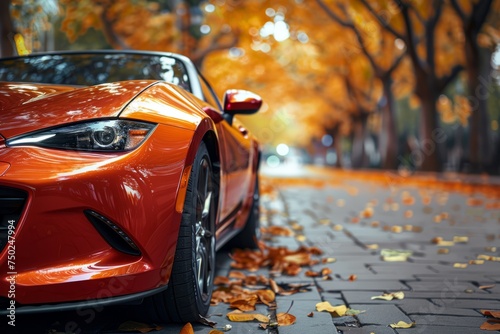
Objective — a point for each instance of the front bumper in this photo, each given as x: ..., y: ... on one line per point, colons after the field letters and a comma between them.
x: 57, y: 254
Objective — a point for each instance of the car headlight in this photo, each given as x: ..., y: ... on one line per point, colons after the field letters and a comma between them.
x: 101, y: 135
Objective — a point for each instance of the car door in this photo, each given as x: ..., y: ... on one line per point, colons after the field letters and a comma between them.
x: 236, y: 160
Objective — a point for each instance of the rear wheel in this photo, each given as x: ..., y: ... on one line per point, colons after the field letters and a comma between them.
x: 191, y: 282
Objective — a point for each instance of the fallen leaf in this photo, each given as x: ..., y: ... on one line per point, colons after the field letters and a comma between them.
x: 460, y: 265
x: 354, y: 312
x: 490, y: 313
x: 310, y: 315
x: 285, y: 319
x: 441, y: 242
x: 395, y: 255
x: 244, y: 304
x: 486, y: 287
x: 222, y: 280
x: 132, y: 326
x: 187, y: 329
x: 402, y: 324
x: 266, y: 296
x: 390, y: 296
x: 204, y: 321
x: 352, y: 278
x: 460, y: 239
x: 396, y: 229
x: 336, y: 311
x: 278, y: 231
x: 488, y: 258
x: 491, y: 325
x: 238, y: 316
x: 237, y: 274
x: 443, y: 251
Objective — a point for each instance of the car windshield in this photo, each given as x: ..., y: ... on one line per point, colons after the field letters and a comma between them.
x: 93, y: 68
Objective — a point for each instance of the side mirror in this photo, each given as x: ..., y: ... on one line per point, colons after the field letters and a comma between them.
x: 237, y: 101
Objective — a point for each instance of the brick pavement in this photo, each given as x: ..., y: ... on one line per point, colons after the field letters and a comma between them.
x: 353, y: 220
x: 352, y: 217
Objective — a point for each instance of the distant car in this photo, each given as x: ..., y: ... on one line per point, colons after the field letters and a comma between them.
x: 121, y: 174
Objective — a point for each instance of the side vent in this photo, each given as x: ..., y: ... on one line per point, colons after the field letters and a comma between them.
x: 113, y: 234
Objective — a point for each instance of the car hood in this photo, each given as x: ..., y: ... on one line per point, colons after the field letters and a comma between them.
x: 29, y: 107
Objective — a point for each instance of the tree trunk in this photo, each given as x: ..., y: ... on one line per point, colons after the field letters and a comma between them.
x: 359, y: 159
x: 478, y: 120
x: 337, y: 141
x: 428, y: 158
x: 388, y: 135
x: 7, y: 30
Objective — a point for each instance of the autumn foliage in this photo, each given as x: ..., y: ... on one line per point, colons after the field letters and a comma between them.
x: 412, y: 77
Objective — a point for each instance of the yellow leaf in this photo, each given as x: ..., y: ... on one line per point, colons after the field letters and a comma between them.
x: 395, y: 255
x: 460, y: 239
x: 460, y: 265
x: 391, y: 296
x: 336, y: 311
x: 240, y: 317
x: 402, y: 324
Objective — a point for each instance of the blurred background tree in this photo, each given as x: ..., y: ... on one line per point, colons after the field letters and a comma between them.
x: 358, y: 83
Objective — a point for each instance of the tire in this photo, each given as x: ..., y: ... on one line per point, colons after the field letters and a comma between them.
x: 191, y: 282
x: 249, y: 236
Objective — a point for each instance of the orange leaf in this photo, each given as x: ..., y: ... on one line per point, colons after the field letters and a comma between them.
x: 266, y: 296
x: 221, y: 280
x: 311, y: 273
x: 244, y: 304
x: 490, y: 313
x: 491, y: 325
x: 187, y: 329
x: 238, y: 316
x: 237, y: 274
x: 279, y: 230
x: 286, y: 319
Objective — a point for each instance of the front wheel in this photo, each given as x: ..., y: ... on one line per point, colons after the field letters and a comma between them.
x: 191, y: 282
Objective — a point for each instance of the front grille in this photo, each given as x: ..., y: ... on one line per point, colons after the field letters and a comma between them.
x: 11, y: 206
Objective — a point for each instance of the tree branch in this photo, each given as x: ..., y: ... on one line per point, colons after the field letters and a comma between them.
x: 382, y: 22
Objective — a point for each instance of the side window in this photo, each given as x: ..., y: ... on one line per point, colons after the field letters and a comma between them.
x: 209, y: 94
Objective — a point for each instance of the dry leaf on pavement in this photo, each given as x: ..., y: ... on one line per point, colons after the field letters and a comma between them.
x: 336, y: 311
x: 390, y: 296
x: 491, y: 325
x: 491, y: 313
x: 402, y: 324
x: 132, y: 326
x: 395, y: 255
x: 187, y: 329
x: 239, y: 316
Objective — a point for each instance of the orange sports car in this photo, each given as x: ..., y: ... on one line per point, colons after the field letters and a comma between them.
x: 121, y: 174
